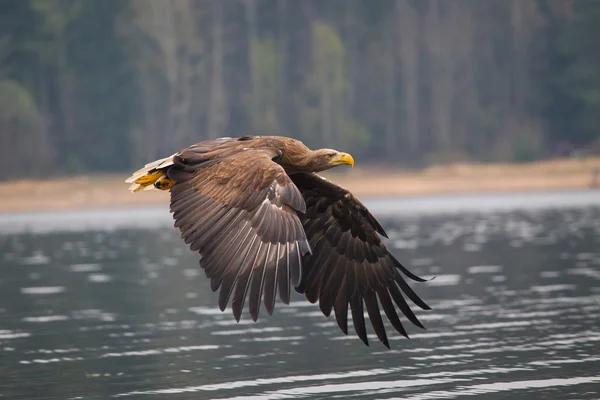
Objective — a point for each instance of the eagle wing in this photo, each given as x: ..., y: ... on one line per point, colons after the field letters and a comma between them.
x: 349, y: 263
x: 238, y: 209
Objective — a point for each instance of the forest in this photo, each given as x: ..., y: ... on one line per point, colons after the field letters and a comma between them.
x: 98, y: 86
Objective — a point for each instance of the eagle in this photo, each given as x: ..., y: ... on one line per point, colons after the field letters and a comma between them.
x: 264, y: 221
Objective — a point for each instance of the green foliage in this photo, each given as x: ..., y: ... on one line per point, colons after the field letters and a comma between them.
x: 267, y: 69
x: 22, y: 133
x: 326, y: 118
x: 574, y: 83
x: 17, y: 105
x: 267, y: 64
x: 329, y: 59
x: 56, y: 14
x: 356, y: 137
x: 526, y: 151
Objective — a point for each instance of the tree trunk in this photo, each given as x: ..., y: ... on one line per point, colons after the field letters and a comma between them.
x: 255, y: 107
x: 216, y: 114
x: 407, y: 34
x: 391, y: 135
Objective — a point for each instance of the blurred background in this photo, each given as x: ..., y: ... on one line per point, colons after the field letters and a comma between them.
x: 88, y: 86
x: 448, y: 101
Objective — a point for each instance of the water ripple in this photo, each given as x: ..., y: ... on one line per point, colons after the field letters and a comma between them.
x: 128, y: 313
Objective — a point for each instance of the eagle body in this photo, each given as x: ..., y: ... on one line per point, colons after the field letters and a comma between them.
x: 265, y: 222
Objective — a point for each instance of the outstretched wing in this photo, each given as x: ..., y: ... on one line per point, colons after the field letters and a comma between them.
x: 238, y: 209
x: 350, y: 264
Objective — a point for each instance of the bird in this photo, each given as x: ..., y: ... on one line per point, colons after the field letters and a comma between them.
x: 263, y: 221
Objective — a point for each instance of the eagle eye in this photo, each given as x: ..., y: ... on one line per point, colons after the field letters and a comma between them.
x: 329, y: 156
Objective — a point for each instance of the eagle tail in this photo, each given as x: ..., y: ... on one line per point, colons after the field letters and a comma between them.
x: 152, y: 176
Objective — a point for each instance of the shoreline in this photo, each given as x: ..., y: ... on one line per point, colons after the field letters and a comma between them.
x: 102, y: 191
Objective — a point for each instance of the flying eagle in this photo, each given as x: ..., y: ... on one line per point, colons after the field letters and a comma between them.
x: 263, y: 221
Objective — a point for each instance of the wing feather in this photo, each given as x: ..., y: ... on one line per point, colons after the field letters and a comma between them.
x: 215, y: 258
x: 375, y: 317
x: 330, y: 288
x: 233, y: 206
x: 271, y: 282
x: 243, y: 283
x: 284, y: 276
x: 257, y: 284
x: 358, y: 318
x: 349, y: 263
x: 390, y: 311
x: 232, y: 271
x: 341, y: 302
x: 403, y: 305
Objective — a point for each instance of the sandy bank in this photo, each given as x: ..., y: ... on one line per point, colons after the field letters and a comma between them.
x: 110, y: 190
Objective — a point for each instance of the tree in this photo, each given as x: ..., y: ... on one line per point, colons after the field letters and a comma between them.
x: 107, y: 85
x: 168, y: 54
x: 217, y: 112
x: 24, y: 140
x: 574, y: 85
x: 266, y: 67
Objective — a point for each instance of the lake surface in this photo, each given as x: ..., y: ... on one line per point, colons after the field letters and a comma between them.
x: 111, y: 304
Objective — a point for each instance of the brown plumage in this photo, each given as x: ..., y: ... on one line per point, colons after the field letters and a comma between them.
x: 265, y: 222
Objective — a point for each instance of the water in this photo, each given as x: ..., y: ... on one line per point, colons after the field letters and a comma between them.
x: 109, y: 304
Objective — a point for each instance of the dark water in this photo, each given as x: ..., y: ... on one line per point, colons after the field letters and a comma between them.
x: 105, y: 304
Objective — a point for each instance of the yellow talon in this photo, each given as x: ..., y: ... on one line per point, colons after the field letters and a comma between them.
x: 149, y: 179
x: 164, y: 183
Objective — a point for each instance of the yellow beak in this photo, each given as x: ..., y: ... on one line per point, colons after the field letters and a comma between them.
x: 342, y: 159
